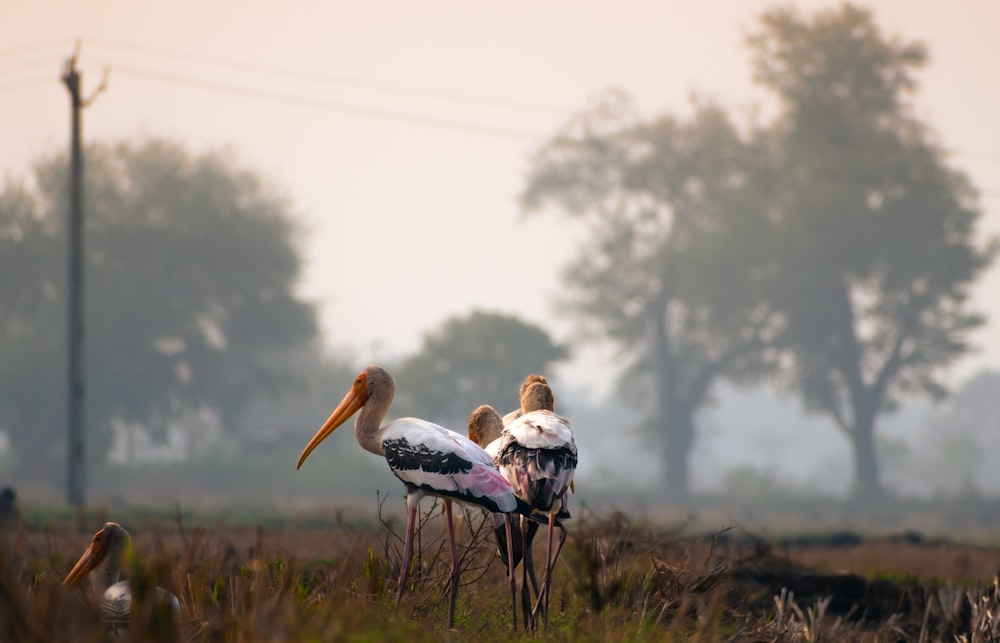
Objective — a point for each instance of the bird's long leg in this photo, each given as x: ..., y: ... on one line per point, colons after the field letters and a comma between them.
x: 547, y: 580
x: 510, y: 568
x: 525, y: 592
x: 404, y: 572
x: 454, y: 564
x: 563, y: 534
x: 529, y: 562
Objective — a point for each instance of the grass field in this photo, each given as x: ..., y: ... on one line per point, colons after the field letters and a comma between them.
x: 332, y: 577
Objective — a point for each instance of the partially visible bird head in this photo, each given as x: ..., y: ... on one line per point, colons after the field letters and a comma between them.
x: 110, y: 544
x: 485, y: 425
x: 537, y: 397
x: 532, y: 379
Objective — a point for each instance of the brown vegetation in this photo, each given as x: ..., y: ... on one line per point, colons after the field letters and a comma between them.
x: 618, y: 579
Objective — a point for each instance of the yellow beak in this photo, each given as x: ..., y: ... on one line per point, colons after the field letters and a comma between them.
x: 348, y: 406
x: 95, y: 553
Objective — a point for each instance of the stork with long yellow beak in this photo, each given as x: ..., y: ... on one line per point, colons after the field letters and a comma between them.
x: 428, y: 459
x: 102, y: 561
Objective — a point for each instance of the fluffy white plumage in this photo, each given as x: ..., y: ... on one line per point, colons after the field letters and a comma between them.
x: 542, y: 430
x: 537, y: 454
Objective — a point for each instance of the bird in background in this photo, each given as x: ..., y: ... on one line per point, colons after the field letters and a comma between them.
x: 102, y: 562
x: 526, y: 542
x: 533, y: 378
x: 485, y: 427
x: 537, y: 453
x: 429, y: 460
x: 519, y: 411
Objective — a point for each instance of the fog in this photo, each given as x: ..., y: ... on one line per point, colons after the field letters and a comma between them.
x: 401, y: 132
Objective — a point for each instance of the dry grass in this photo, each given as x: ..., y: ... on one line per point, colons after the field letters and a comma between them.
x: 618, y: 579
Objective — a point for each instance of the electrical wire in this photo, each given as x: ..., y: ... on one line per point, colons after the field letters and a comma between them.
x: 327, y: 105
x: 52, y: 63
x: 286, y: 72
x: 25, y: 84
x: 364, y: 111
x: 29, y: 48
x: 334, y: 79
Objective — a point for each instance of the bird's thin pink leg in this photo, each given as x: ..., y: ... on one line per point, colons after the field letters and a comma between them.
x: 404, y: 573
x: 510, y: 569
x: 563, y: 534
x: 529, y: 616
x: 562, y: 541
x: 528, y: 559
x: 547, y: 581
x: 454, y: 564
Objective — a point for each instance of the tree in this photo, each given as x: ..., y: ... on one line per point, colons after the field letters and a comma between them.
x: 671, y: 270
x: 957, y: 443
x: 32, y: 344
x: 479, y: 359
x: 300, y: 410
x: 191, y: 267
x: 876, y: 231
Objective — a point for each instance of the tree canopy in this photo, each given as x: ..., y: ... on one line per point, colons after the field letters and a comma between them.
x: 833, y: 248
x: 472, y: 360
x: 191, y: 266
x: 676, y: 215
x: 876, y: 232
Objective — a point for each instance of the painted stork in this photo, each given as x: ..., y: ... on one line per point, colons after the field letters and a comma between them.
x: 537, y: 454
x: 485, y: 428
x: 428, y: 459
x: 528, y: 381
x: 103, y: 560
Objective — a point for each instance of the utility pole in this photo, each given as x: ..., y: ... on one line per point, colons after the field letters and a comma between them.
x: 76, y: 447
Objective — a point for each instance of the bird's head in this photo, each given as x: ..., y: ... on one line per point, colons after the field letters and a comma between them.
x: 532, y: 379
x: 537, y: 397
x: 371, y: 381
x: 109, y: 544
x: 485, y: 425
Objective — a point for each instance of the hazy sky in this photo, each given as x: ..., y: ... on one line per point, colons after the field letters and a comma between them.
x: 401, y: 130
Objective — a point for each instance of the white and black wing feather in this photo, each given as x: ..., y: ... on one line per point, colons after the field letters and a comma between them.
x: 435, y: 460
x: 537, y: 454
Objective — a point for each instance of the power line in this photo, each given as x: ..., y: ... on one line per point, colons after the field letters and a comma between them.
x: 402, y: 117
x: 287, y: 72
x: 348, y: 81
x: 23, y: 49
x: 50, y: 61
x: 24, y: 84
x: 301, y: 101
